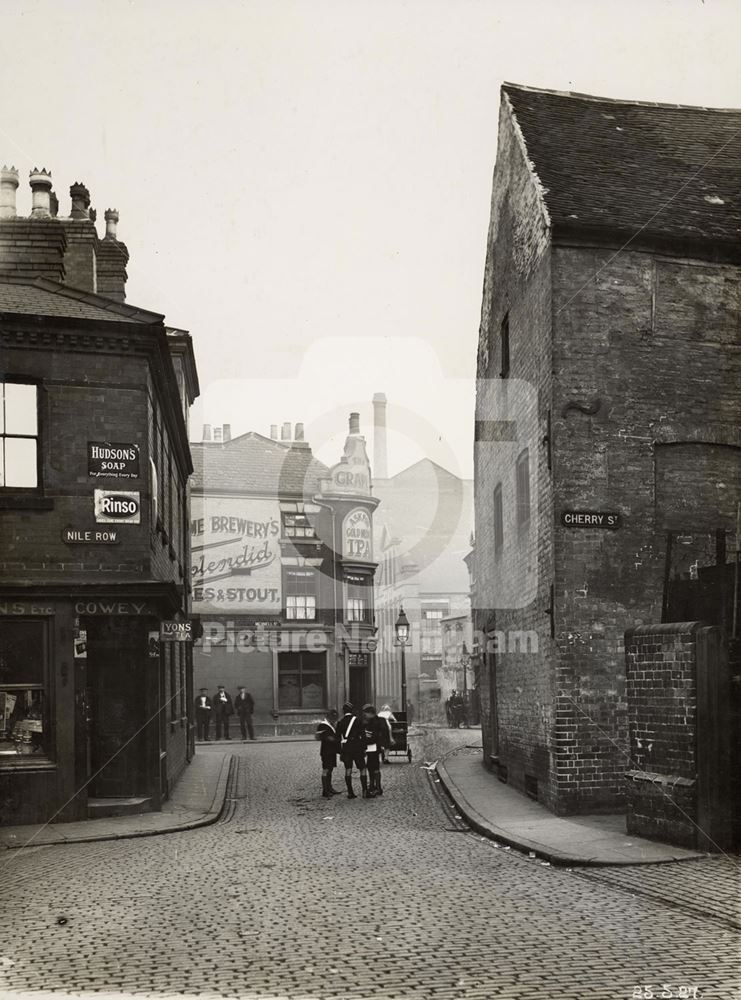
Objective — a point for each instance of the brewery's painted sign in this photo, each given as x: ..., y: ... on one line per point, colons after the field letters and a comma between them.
x: 590, y: 519
x: 235, y: 563
x: 172, y: 631
x: 356, y: 535
x: 117, y: 507
x: 119, y: 461
x: 90, y: 536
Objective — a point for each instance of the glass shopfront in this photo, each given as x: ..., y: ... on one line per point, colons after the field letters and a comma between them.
x: 24, y: 701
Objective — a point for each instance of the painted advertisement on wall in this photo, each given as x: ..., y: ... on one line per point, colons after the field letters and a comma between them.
x: 235, y: 546
x: 356, y: 536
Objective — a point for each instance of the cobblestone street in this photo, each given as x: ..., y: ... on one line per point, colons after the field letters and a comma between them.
x: 293, y: 896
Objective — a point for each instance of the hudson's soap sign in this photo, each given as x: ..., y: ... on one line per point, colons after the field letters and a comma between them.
x: 235, y: 545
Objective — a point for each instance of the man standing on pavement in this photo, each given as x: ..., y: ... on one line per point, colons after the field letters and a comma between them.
x: 352, y: 748
x: 326, y: 733
x: 223, y: 708
x: 375, y: 731
x: 244, y: 705
x: 203, y: 715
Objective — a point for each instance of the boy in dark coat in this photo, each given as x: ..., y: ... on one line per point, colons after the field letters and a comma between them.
x: 376, y: 732
x: 352, y: 748
x: 326, y: 733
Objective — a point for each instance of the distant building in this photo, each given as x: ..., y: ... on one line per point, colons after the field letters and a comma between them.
x: 422, y: 529
x: 95, y: 711
x: 282, y: 573
x: 608, y: 430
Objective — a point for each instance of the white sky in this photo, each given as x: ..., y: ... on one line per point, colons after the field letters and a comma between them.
x: 313, y: 178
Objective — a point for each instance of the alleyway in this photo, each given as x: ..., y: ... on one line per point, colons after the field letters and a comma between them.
x: 291, y: 896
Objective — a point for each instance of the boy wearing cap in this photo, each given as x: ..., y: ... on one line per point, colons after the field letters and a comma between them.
x: 375, y: 730
x: 326, y: 733
x: 203, y: 714
x: 352, y: 748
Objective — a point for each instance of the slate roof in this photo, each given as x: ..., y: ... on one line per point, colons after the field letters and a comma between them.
x: 252, y: 463
x: 42, y: 297
x: 672, y: 169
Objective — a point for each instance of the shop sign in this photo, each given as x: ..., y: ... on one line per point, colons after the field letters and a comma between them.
x: 117, y: 507
x: 590, y: 519
x: 356, y: 536
x: 22, y: 608
x: 111, y: 608
x: 119, y: 461
x: 172, y: 631
x: 85, y: 536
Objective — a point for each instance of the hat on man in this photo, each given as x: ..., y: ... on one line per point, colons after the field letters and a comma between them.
x: 347, y: 707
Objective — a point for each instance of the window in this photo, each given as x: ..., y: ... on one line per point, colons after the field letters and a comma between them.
x: 358, y: 605
x: 432, y: 614
x: 522, y: 472
x: 300, y: 591
x: 24, y: 723
x: 19, y: 435
x: 301, y: 680
x: 504, y: 346
x: 498, y: 522
x: 297, y: 525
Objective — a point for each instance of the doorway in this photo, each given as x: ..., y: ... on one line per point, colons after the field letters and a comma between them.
x: 116, y: 696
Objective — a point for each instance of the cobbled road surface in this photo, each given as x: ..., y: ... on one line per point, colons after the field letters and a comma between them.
x: 293, y: 896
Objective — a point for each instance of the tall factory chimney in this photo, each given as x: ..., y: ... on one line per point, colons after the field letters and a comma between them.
x: 380, y: 457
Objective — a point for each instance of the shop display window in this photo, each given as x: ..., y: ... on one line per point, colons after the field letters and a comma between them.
x: 301, y: 680
x: 24, y: 711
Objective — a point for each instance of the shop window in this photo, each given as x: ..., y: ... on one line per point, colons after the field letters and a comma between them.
x: 19, y: 435
x: 358, y: 598
x: 300, y: 591
x: 24, y: 709
x: 522, y: 485
x: 301, y: 680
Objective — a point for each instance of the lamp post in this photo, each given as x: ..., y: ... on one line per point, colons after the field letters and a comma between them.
x: 402, y: 639
x: 465, y: 660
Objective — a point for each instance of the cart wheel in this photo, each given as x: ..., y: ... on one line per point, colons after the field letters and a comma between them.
x: 409, y: 756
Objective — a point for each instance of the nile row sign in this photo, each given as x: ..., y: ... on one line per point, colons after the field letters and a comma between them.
x: 92, y: 536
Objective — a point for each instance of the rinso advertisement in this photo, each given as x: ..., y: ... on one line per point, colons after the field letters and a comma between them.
x: 236, y: 556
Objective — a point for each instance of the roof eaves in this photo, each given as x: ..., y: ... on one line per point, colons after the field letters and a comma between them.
x: 614, y: 100
x: 537, y: 183
x: 100, y: 301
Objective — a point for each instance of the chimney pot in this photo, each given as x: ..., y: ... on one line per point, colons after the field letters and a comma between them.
x: 111, y: 222
x: 227, y: 433
x: 285, y: 433
x: 8, y: 188
x: 274, y: 432
x: 40, y: 181
x: 80, y: 201
x: 355, y: 423
x: 207, y: 432
x: 299, y: 432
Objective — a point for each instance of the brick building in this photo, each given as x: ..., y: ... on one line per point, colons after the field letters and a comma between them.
x: 422, y: 530
x: 608, y: 441
x: 283, y: 573
x: 94, y: 541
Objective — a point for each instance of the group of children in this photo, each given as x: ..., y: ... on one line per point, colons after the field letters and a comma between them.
x: 360, y: 741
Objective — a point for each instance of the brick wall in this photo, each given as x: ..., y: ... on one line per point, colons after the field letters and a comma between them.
x: 512, y: 414
x: 32, y: 248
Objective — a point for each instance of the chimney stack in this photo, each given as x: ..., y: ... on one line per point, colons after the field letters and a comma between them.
x: 274, y: 432
x: 111, y: 223
x: 380, y: 456
x: 285, y: 434
x: 298, y: 433
x: 355, y: 423
x: 227, y: 434
x: 40, y: 181
x: 217, y: 434
x: 8, y: 188
x: 80, y: 201
x: 207, y: 432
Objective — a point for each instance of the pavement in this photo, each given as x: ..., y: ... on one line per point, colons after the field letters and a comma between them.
x: 289, y: 896
x: 197, y: 800
x: 498, y: 811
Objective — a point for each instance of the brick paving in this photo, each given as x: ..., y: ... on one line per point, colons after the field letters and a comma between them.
x: 293, y: 896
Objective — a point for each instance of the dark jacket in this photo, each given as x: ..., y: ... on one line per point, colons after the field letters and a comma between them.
x: 327, y: 736
x: 223, y: 703
x: 244, y: 705
x: 376, y: 733
x: 352, y: 725
x: 203, y: 708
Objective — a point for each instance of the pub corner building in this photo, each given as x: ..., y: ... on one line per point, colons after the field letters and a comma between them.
x: 95, y: 711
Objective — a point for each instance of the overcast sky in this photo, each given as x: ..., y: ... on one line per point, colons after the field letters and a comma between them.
x: 305, y: 186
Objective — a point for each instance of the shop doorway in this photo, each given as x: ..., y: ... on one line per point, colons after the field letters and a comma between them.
x: 359, y: 680
x: 116, y: 699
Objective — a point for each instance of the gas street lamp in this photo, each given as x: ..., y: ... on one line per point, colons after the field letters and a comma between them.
x: 465, y: 660
x: 402, y: 639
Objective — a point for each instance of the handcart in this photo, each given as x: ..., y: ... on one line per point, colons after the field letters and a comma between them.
x: 399, y: 737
